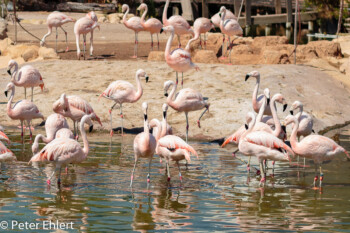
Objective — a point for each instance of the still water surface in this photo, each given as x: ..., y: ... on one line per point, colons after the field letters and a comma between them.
x: 216, y: 193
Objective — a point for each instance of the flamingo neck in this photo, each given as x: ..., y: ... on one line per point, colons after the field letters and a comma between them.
x: 293, y: 138
x: 9, y: 108
x: 261, y: 110
x: 255, y: 93
x: 165, y: 13
x: 144, y: 15
x: 168, y: 45
x: 139, y: 88
x: 278, y: 127
x: 13, y: 76
x: 164, y: 125
x: 196, y: 36
x: 250, y: 128
x: 124, y: 17
x: 170, y: 100
x: 85, y: 141
x: 298, y: 115
x: 36, y: 141
x: 222, y: 19
x: 160, y: 129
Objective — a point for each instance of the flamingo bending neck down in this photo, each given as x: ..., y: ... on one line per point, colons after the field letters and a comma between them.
x: 56, y: 19
x: 124, y: 92
x: 63, y: 151
x: 181, y: 26
x: 26, y: 77
x: 134, y: 23
x: 23, y: 110
x: 316, y: 147
x: 144, y: 145
x: 152, y: 25
x: 178, y: 59
x: 200, y: 26
x: 186, y: 100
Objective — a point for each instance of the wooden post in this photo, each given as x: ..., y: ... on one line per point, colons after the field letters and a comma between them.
x: 289, y: 18
x: 187, y: 12
x: 311, y: 30
x: 14, y: 13
x: 340, y: 16
x: 296, y: 30
x: 205, y: 10
x: 248, y: 16
x: 278, y: 7
x: 236, y: 5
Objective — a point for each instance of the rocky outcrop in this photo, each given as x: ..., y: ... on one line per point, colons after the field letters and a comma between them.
x: 86, y: 7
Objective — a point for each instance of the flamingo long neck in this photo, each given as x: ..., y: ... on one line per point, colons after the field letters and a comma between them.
x: 293, y: 138
x: 9, y: 108
x: 124, y: 17
x: 222, y: 19
x: 277, y: 122
x: 170, y: 99
x: 164, y: 125
x: 139, y: 88
x: 144, y: 15
x: 160, y: 129
x: 85, y: 141
x: 250, y: 128
x: 261, y: 110
x: 13, y: 76
x: 168, y: 45
x: 298, y: 115
x: 196, y: 36
x: 165, y: 13
x: 255, y: 93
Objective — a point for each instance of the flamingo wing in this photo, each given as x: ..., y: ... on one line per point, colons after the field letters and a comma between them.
x: 118, y: 89
x: 173, y: 142
x: 235, y: 136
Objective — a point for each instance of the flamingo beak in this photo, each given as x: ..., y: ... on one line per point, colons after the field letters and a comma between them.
x: 165, y: 94
x: 91, y: 128
x: 6, y: 93
x: 285, y: 107
x: 246, y: 126
x: 291, y: 112
x: 161, y: 31
x: 268, y: 101
x: 247, y: 77
x: 145, y: 116
x: 220, y: 15
x: 284, y: 128
x: 9, y: 71
x: 147, y: 79
x: 164, y: 114
x: 42, y: 87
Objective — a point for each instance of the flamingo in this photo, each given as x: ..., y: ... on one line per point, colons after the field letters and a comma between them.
x: 152, y: 25
x: 64, y: 133
x: 144, y: 145
x: 56, y: 19
x: 200, y: 26
x: 263, y: 145
x: 181, y: 26
x: 178, y: 59
x: 121, y: 92
x: 316, y: 147
x: 186, y: 100
x: 6, y: 154
x: 63, y: 151
x: 23, y: 110
x: 26, y: 77
x: 53, y: 123
x: 171, y: 147
x: 75, y: 108
x: 229, y: 27
x: 134, y: 23
x: 3, y: 136
x: 83, y: 26
x: 166, y: 128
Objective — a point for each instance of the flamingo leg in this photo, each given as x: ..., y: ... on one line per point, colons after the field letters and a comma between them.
x: 178, y: 165
x: 248, y: 165
x: 22, y: 134
x: 187, y: 126
x: 205, y: 41
x: 229, y: 54
x: 316, y: 177
x: 132, y: 173
x: 200, y: 41
x: 59, y: 177
x: 77, y: 38
x: 91, y: 43
x: 137, y: 43
x: 304, y: 162
x: 149, y: 171
x: 168, y: 170
x: 135, y: 47
x: 262, y: 181
x: 198, y: 122
x: 151, y: 41
x: 52, y: 174
x: 84, y: 45
x: 158, y: 41
x: 30, y: 131
x: 25, y: 93
x: 178, y: 39
x: 110, y: 114
x: 273, y: 168
x: 56, y: 40
x: 321, y: 176
x: 121, y: 115
x: 32, y: 93
x: 177, y: 80
x: 66, y: 38
x: 222, y: 46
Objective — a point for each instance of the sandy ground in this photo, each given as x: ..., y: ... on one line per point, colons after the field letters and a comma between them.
x: 230, y: 97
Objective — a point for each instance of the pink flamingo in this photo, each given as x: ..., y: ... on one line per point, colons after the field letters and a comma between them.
x: 23, y: 110
x: 152, y: 25
x: 83, y: 26
x: 63, y: 151
x: 6, y: 154
x: 216, y: 19
x: 263, y: 145
x: 171, y: 147
x: 144, y: 145
x: 181, y: 26
x: 186, y: 100
x: 64, y: 133
x: 161, y: 129
x: 56, y: 19
x: 200, y: 26
x: 3, y: 136
x: 178, y: 59
x: 53, y: 123
x: 134, y: 23
x: 26, y: 77
x: 316, y: 147
x: 75, y: 108
x: 229, y: 27
x: 121, y: 91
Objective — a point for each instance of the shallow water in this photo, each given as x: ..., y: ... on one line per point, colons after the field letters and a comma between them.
x: 216, y: 193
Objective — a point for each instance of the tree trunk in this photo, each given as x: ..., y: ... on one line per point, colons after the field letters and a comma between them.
x: 340, y: 15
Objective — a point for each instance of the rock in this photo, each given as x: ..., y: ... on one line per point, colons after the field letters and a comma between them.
x: 4, y: 44
x: 344, y: 42
x: 205, y: 56
x: 47, y: 53
x: 85, y: 7
x: 114, y: 18
x: 156, y: 56
x: 305, y: 52
x: 345, y: 67
x: 214, y: 41
x: 30, y: 53
x: 16, y: 51
x: 325, y: 48
x: 3, y: 28
x: 102, y: 19
x: 274, y: 57
x: 262, y: 41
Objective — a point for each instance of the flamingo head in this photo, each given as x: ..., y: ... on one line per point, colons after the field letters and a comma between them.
x: 86, y: 119
x: 92, y: 16
x: 10, y: 86
x: 267, y: 95
x: 222, y: 10
x: 165, y: 109
x: 11, y: 64
x: 280, y: 99
x: 295, y: 105
x: 167, y: 29
x: 143, y: 6
x: 125, y: 7
x: 254, y: 74
x: 60, y: 104
x: 141, y: 73
x: 290, y: 119
x: 250, y: 119
x: 167, y: 85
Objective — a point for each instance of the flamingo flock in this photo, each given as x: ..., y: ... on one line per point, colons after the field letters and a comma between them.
x: 262, y: 136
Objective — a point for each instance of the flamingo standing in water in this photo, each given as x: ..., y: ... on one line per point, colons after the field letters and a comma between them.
x: 134, y: 23
x: 181, y: 26
x: 171, y: 147
x: 5, y: 153
x: 316, y: 147
x: 263, y: 145
x: 200, y: 26
x: 144, y: 145
x: 23, y: 110
x: 56, y: 19
x: 124, y: 92
x: 83, y: 26
x: 53, y: 123
x: 152, y: 25
x: 63, y: 151
x: 186, y: 100
x: 26, y: 77
x: 75, y: 108
x: 230, y: 27
x: 178, y: 59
